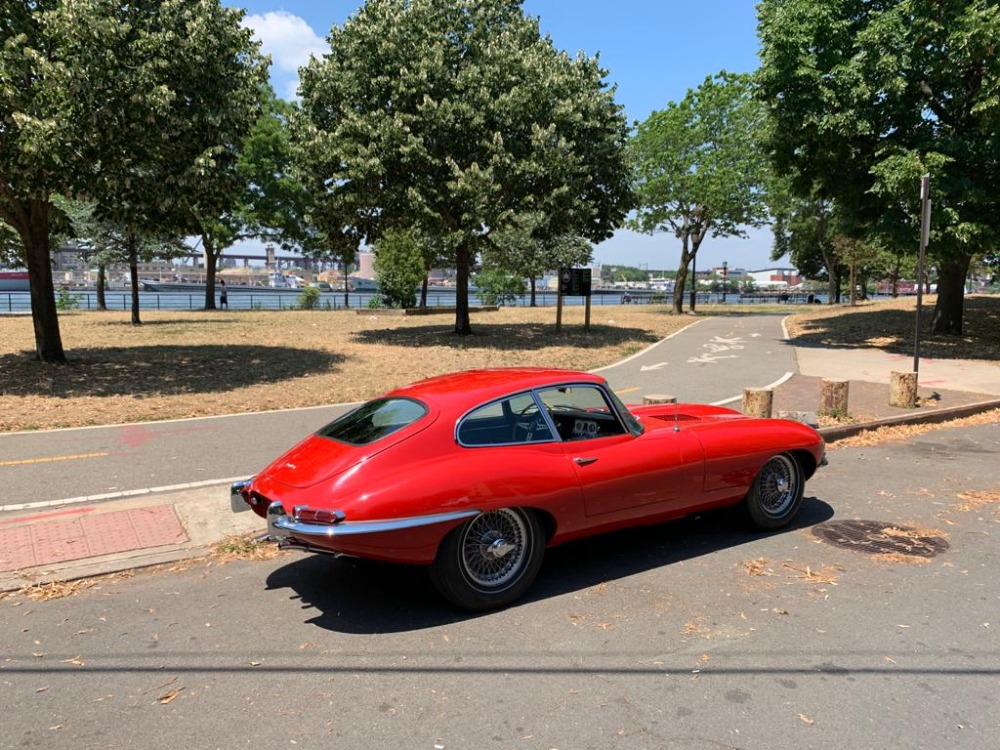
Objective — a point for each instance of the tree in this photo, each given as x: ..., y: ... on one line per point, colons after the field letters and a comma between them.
x: 399, y: 266
x: 124, y: 104
x: 250, y: 191
x: 699, y: 169
x: 864, y: 98
x: 526, y: 249
x: 498, y: 287
x: 453, y: 116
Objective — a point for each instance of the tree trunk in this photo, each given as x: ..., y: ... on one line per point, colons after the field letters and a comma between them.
x: 694, y: 279
x: 102, y: 281
x: 950, y: 308
x: 463, y: 326
x: 34, y: 233
x: 133, y: 274
x: 532, y: 280
x: 347, y: 289
x: 211, y: 261
x: 681, y: 277
x: 423, y: 291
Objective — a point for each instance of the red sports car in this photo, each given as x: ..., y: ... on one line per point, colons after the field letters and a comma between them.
x: 474, y: 474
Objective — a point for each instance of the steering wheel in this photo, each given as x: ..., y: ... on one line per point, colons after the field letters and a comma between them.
x: 527, y: 425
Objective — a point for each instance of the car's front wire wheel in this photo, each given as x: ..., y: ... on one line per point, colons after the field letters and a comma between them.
x: 490, y: 560
x: 776, y: 493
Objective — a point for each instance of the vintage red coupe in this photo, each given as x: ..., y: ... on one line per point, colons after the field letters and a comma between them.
x: 474, y: 474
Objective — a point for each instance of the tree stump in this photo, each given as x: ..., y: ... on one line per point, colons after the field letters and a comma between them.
x: 757, y: 402
x: 658, y: 398
x: 833, y: 397
x: 903, y: 389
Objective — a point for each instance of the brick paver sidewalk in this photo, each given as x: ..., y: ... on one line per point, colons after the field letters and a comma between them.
x: 73, y: 534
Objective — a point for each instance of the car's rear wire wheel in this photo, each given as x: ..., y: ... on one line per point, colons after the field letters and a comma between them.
x: 776, y: 493
x: 490, y: 560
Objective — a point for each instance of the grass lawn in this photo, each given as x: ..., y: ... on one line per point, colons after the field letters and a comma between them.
x: 184, y: 364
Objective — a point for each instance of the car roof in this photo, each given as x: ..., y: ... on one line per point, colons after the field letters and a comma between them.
x: 463, y: 390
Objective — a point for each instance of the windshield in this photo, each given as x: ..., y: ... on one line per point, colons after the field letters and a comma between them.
x: 631, y: 421
x: 374, y: 420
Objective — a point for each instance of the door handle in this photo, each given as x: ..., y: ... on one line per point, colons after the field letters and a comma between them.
x: 584, y: 461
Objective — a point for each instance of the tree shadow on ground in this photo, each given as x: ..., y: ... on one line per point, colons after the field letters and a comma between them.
x: 147, y: 371
x: 519, y: 336
x: 365, y: 597
x: 892, y: 331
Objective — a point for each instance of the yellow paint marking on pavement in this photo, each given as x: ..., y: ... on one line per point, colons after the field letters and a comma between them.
x: 628, y: 390
x: 51, y: 459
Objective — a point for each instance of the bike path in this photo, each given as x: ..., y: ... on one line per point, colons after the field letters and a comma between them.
x: 710, y: 361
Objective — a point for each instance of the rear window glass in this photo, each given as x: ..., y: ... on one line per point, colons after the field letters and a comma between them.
x: 374, y: 420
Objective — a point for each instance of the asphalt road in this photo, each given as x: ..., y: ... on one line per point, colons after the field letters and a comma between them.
x: 654, y: 638
x: 710, y: 361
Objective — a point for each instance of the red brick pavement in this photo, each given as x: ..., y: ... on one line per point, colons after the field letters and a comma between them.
x: 47, y: 538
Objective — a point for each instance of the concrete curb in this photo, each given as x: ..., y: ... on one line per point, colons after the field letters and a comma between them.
x: 833, y: 434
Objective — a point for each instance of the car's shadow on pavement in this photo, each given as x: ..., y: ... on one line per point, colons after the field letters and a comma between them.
x: 364, y: 597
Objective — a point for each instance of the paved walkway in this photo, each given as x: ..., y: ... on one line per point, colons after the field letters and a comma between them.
x: 712, y: 360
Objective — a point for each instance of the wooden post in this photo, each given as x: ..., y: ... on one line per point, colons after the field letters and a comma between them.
x: 757, y: 402
x: 559, y: 306
x: 833, y: 397
x: 903, y: 389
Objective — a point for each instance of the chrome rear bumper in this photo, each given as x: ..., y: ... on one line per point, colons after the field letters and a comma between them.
x: 281, y: 526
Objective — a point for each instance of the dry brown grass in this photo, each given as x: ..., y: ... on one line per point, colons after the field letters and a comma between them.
x: 186, y: 364
x: 889, y: 325
x: 189, y: 364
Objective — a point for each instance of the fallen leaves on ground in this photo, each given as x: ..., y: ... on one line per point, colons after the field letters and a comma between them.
x: 975, y: 500
x: 901, y: 433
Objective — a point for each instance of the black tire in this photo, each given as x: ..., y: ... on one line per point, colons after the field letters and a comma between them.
x: 489, y: 561
x: 776, y: 493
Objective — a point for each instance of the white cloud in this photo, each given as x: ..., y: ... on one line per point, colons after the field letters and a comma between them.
x: 288, y: 39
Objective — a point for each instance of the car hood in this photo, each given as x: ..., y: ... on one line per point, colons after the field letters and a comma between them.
x: 318, y: 458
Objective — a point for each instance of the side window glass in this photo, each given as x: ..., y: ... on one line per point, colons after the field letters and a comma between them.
x: 581, y: 412
x: 511, y: 420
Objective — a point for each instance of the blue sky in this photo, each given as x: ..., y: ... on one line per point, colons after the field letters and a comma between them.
x: 654, y: 51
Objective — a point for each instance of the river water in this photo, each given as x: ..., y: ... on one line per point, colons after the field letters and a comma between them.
x: 20, y: 302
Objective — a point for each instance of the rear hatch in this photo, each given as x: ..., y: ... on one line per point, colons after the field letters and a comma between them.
x: 318, y: 458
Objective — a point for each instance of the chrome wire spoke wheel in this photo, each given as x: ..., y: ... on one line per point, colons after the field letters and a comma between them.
x: 776, y: 493
x: 494, y: 549
x: 778, y: 483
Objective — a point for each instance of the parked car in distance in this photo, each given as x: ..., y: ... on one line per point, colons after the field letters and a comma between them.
x: 474, y: 474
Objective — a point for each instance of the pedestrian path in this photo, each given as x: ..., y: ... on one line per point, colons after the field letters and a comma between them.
x: 77, y: 533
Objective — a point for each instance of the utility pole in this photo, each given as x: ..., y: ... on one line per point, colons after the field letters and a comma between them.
x: 925, y: 227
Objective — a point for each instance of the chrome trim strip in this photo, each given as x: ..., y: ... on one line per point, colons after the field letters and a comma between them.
x: 283, y: 525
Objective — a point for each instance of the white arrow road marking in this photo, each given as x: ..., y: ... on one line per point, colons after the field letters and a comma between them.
x: 657, y: 366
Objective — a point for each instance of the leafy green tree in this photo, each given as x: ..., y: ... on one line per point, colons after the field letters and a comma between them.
x: 865, y: 97
x: 126, y: 104
x: 499, y: 287
x: 251, y: 191
x: 699, y: 169
x: 526, y: 249
x: 625, y: 273
x: 399, y: 266
x: 454, y: 116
